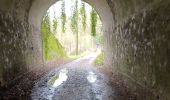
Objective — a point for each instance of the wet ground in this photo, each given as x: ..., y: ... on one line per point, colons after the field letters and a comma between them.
x: 78, y: 80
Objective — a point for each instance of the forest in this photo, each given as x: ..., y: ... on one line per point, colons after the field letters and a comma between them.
x: 71, y: 30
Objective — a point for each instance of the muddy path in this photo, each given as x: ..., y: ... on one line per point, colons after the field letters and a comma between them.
x: 78, y: 80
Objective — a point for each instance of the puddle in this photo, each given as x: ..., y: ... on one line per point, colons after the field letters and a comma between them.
x: 57, y: 80
x: 92, y: 77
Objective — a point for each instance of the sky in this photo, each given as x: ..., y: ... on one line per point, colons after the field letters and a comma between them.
x: 68, y: 4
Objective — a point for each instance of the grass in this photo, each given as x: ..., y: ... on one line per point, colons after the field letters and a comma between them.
x: 55, y: 49
x: 78, y: 56
x: 100, y: 59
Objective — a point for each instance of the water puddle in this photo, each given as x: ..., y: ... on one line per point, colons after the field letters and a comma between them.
x: 92, y: 77
x: 57, y: 80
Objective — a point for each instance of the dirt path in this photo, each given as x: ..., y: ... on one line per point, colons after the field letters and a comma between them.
x: 21, y: 88
x: 78, y: 80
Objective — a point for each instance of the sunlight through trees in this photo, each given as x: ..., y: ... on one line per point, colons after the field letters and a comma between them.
x: 83, y: 16
x: 63, y: 16
x: 75, y: 26
x: 93, y: 22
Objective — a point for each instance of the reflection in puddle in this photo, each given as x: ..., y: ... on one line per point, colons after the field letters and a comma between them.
x: 57, y: 80
x: 92, y: 77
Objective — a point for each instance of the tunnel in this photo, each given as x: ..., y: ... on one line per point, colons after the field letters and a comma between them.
x: 136, y: 40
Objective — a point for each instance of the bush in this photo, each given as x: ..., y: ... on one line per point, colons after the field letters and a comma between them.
x: 100, y: 59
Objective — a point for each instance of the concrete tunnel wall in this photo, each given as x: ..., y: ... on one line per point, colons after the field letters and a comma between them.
x: 141, y: 43
x: 130, y: 46
x: 137, y: 39
x: 20, y: 50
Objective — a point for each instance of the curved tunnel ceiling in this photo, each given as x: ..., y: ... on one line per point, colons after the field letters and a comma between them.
x: 40, y: 7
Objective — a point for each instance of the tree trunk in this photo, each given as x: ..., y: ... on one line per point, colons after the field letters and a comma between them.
x: 77, y: 43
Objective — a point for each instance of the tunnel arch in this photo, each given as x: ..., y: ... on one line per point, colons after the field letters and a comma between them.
x: 39, y: 8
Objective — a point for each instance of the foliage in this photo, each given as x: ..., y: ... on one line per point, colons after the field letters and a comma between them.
x: 83, y: 15
x: 74, y: 18
x: 46, y: 32
x: 100, y: 59
x: 63, y: 16
x: 55, y: 48
x: 99, y: 39
x: 93, y: 22
x: 51, y: 46
x: 80, y: 21
x: 55, y: 21
x: 74, y: 23
x: 55, y: 24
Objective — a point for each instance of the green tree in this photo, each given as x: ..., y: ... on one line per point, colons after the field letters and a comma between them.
x: 55, y: 24
x: 93, y: 22
x: 55, y: 21
x: 63, y: 16
x: 46, y: 32
x: 52, y: 48
x: 74, y: 23
x: 83, y: 15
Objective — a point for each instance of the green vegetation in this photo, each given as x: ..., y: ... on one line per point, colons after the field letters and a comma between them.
x: 55, y: 22
x: 93, y: 22
x: 82, y: 30
x: 83, y: 15
x: 74, y: 24
x: 80, y: 55
x: 63, y: 16
x: 100, y: 59
x: 51, y: 46
x: 55, y: 49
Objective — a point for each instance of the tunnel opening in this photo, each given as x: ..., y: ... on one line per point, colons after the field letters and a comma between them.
x: 82, y: 66
x: 39, y: 8
x: 71, y: 29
